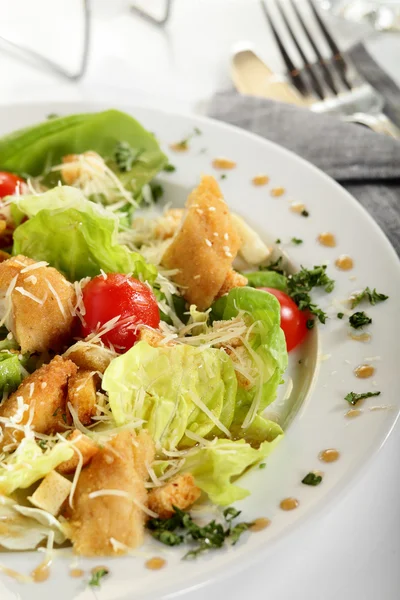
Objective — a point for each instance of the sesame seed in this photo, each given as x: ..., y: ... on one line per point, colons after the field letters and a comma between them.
x: 196, y: 276
x: 199, y: 211
x: 215, y: 234
x: 226, y: 236
x: 226, y: 248
x: 212, y: 208
x: 208, y: 242
x: 229, y: 254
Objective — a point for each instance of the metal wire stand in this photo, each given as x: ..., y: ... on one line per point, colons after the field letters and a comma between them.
x: 49, y: 64
x: 159, y: 22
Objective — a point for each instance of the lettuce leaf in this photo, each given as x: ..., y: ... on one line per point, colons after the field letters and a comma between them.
x: 269, y: 279
x: 215, y: 467
x: 26, y: 527
x: 266, y: 345
x: 75, y: 236
x: 33, y: 150
x: 174, y: 389
x: 29, y: 463
x: 10, y: 372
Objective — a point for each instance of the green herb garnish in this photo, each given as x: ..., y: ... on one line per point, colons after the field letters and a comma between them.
x: 301, y: 283
x: 223, y: 176
x: 340, y: 315
x: 359, y: 319
x: 305, y: 213
x: 125, y: 156
x: 211, y: 536
x: 262, y: 465
x: 275, y: 266
x: 310, y: 323
x: 157, y: 191
x: 42, y: 444
x: 352, y: 398
x: 169, y: 168
x: 278, y: 241
x: 52, y: 116
x: 312, y: 479
x: 372, y: 296
x: 296, y: 241
x: 184, y: 144
x: 97, y: 576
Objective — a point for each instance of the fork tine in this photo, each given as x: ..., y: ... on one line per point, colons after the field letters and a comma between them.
x: 326, y: 73
x: 315, y: 83
x: 337, y: 56
x: 294, y: 73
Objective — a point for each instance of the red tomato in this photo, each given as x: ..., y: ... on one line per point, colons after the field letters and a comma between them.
x: 106, y: 298
x: 8, y: 183
x: 293, y: 320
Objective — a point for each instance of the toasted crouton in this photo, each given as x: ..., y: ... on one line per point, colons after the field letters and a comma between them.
x: 232, y: 280
x: 86, y: 449
x: 82, y: 394
x: 152, y: 336
x: 51, y: 493
x: 205, y: 246
x: 90, y: 357
x: 97, y: 519
x: 40, y: 304
x: 181, y: 492
x: 44, y: 395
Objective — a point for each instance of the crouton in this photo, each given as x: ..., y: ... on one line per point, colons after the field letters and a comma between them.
x: 232, y: 280
x: 86, y: 448
x: 239, y: 356
x: 181, y: 492
x: 95, y: 520
x: 153, y: 337
x: 205, y: 246
x: 82, y: 394
x: 51, y: 493
x: 143, y: 453
x: 89, y: 357
x: 44, y: 399
x: 40, y: 317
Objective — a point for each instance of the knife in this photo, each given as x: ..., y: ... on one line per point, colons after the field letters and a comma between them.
x: 251, y: 76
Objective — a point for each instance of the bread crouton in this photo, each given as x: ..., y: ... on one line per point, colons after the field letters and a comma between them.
x: 44, y: 395
x: 205, y: 246
x: 97, y: 519
x: 40, y: 304
x: 153, y: 337
x: 181, y: 492
x: 86, y: 449
x: 232, y: 280
x: 82, y: 394
x: 51, y: 493
x: 90, y: 357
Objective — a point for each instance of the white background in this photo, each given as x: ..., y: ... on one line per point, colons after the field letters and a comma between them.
x: 353, y: 551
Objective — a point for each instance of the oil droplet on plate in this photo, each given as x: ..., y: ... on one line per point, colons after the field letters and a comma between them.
x: 260, y: 524
x: 364, y: 337
x: 353, y: 412
x: 364, y: 371
x: 344, y: 262
x: 223, y: 163
x: 278, y: 191
x: 327, y: 239
x: 41, y: 573
x: 77, y: 573
x: 289, y: 504
x: 329, y: 455
x: 155, y: 563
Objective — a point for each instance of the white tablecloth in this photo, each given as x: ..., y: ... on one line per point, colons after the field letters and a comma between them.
x: 352, y: 552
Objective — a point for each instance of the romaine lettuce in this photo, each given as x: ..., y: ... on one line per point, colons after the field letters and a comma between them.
x: 75, y: 236
x: 33, y: 150
x: 10, y: 372
x: 174, y: 389
x: 216, y: 465
x: 266, y: 346
x: 269, y: 279
x: 29, y: 463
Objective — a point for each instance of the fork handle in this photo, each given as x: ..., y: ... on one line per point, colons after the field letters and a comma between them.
x: 379, y: 123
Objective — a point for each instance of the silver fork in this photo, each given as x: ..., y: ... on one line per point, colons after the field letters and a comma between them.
x: 332, y: 84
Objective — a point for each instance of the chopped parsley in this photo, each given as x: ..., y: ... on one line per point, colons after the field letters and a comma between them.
x: 301, y: 283
x: 371, y: 295
x: 275, y: 266
x: 157, y: 191
x: 305, y: 213
x: 210, y: 536
x: 312, y: 479
x: 169, y: 168
x: 97, y: 576
x: 277, y: 241
x: 125, y: 156
x: 296, y: 241
x: 184, y: 144
x: 223, y: 176
x: 52, y: 116
x: 262, y: 465
x: 340, y: 315
x: 42, y: 444
x: 352, y: 398
x: 359, y: 319
x: 310, y: 323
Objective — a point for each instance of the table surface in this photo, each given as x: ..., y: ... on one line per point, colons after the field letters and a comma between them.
x: 352, y: 552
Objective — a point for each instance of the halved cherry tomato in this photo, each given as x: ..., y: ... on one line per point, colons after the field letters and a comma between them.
x: 107, y: 297
x: 8, y: 183
x: 293, y: 320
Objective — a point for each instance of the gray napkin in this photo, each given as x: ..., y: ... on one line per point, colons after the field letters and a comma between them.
x: 367, y: 164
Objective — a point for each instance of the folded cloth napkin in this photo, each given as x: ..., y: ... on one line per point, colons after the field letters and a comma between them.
x: 367, y: 164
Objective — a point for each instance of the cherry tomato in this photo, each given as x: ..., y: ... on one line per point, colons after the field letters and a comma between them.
x: 8, y: 183
x: 293, y: 320
x: 107, y: 297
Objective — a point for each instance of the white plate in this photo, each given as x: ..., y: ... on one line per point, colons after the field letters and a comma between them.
x: 320, y: 421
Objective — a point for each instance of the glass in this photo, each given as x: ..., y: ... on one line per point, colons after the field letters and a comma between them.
x: 383, y: 15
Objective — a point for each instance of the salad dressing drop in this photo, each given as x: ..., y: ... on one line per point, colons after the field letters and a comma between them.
x: 289, y: 504
x: 260, y: 524
x: 364, y: 371
x: 155, y: 563
x: 344, y: 262
x: 329, y: 455
x: 327, y: 239
x: 42, y: 572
